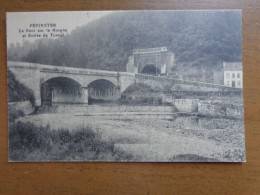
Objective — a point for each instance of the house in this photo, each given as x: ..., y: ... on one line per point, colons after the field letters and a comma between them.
x: 233, y: 74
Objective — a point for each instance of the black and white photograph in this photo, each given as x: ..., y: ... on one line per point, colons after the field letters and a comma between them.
x: 125, y: 86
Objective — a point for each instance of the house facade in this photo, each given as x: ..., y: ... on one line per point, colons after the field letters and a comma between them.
x: 233, y: 74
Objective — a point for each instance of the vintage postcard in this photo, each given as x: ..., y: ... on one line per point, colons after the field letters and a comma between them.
x: 125, y: 86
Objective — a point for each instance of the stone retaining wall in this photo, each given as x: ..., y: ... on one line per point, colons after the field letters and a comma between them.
x: 182, y: 105
x: 118, y: 108
x: 235, y: 111
x: 186, y: 105
x: 204, y: 108
x: 220, y: 109
x: 207, y: 109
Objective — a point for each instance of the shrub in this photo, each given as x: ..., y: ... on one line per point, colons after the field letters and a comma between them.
x: 14, y: 114
x: 28, y: 142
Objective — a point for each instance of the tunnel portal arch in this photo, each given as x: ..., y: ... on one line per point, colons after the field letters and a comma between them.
x: 150, y: 69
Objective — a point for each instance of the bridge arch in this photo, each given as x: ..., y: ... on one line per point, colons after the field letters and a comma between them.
x: 102, y: 90
x: 45, y: 76
x: 62, y: 90
x: 90, y: 80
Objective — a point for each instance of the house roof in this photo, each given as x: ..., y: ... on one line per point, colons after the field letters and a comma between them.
x: 232, y: 66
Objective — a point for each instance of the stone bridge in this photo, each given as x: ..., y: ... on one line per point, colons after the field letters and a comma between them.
x: 57, y: 85
x: 66, y: 85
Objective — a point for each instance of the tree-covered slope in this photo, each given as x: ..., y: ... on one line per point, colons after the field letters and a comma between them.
x: 17, y: 91
x: 198, y: 39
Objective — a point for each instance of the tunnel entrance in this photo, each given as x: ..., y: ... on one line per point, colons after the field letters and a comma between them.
x: 62, y: 90
x: 102, y: 91
x: 150, y: 69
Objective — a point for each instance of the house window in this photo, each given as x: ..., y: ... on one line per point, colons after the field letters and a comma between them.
x: 238, y: 84
x: 233, y: 75
x: 238, y: 75
x: 227, y: 75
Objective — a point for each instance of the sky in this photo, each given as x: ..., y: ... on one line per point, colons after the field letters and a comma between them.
x: 63, y: 20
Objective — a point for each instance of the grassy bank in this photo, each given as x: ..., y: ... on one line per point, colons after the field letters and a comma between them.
x: 28, y: 142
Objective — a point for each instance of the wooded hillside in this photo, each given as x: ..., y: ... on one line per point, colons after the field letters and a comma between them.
x: 200, y: 40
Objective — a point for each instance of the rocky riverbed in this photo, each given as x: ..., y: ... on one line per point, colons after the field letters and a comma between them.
x: 159, y: 138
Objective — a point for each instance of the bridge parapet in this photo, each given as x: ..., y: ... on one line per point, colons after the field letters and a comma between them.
x: 61, y: 69
x: 25, y: 65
